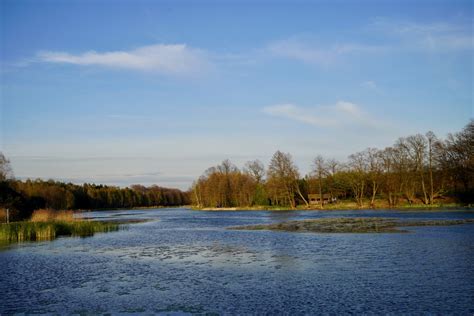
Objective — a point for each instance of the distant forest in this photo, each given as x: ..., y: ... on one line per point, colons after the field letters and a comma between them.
x: 418, y: 169
x: 22, y: 197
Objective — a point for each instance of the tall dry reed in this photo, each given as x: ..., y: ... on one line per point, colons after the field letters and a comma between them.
x: 3, y: 215
x: 48, y: 215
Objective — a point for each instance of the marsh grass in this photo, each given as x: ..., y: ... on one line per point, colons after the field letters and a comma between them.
x: 351, y: 225
x: 48, y: 230
x: 47, y: 215
x: 3, y: 215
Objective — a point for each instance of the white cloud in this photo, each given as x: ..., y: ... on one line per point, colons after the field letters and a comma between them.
x: 316, y: 53
x: 369, y: 84
x: 348, y: 108
x: 342, y: 113
x: 437, y: 36
x: 300, y: 51
x: 296, y: 113
x: 176, y: 59
x: 398, y: 36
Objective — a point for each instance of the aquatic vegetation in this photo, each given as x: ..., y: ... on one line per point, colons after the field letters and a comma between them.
x: 45, y: 215
x: 48, y: 230
x: 351, y: 225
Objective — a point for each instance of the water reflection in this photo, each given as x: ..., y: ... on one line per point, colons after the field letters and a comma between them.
x: 188, y: 262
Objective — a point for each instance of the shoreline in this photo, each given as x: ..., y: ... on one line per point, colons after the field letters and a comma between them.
x: 330, y: 207
x: 342, y: 207
x: 130, y: 208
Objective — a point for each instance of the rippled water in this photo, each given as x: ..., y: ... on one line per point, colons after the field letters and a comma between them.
x: 188, y: 262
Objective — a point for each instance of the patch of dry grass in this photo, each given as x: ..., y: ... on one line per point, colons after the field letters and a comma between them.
x: 351, y: 225
x: 46, y: 224
x: 47, y: 215
x: 3, y: 215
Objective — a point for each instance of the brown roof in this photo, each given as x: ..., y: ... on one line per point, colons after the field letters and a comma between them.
x: 317, y: 196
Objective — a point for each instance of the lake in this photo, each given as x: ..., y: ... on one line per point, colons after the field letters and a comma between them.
x: 184, y: 261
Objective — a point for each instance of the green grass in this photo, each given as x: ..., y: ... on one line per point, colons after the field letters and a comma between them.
x: 35, y: 231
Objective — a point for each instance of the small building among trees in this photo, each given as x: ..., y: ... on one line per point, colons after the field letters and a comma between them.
x: 315, y: 199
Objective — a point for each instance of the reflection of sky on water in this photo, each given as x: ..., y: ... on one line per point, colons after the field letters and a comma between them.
x: 186, y: 261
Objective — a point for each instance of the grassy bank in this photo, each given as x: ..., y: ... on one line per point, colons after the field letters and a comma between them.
x: 342, y: 205
x: 351, y: 225
x: 48, y: 224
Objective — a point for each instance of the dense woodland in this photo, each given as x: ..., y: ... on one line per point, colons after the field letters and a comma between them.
x: 22, y: 197
x: 419, y: 169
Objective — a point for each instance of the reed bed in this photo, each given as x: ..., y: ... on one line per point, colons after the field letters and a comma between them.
x: 3, y: 215
x: 46, y: 215
x: 47, y: 225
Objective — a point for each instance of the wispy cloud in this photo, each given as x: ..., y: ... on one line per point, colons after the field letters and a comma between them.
x: 175, y: 59
x: 369, y: 84
x: 437, y: 36
x: 316, y: 53
x: 348, y: 108
x: 132, y: 175
x: 130, y: 118
x: 181, y: 59
x: 293, y: 112
x: 398, y: 36
x: 342, y: 113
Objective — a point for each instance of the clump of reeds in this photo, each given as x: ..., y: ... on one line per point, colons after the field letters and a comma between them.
x: 3, y: 215
x: 48, y: 224
x: 47, y: 215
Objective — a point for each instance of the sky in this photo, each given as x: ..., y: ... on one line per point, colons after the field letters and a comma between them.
x: 155, y: 92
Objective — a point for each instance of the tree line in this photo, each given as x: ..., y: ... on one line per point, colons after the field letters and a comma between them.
x: 22, y: 197
x: 415, y: 169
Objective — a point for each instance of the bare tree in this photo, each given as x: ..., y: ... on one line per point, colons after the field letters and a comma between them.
x: 224, y: 186
x: 431, y: 137
x: 406, y: 168
x: 392, y: 175
x: 333, y: 167
x: 197, y: 189
x: 320, y: 170
x: 375, y: 165
x: 358, y: 175
x: 458, y: 159
x: 282, y: 177
x: 5, y: 168
x: 256, y: 169
x: 418, y: 166
x: 226, y: 168
x: 417, y: 145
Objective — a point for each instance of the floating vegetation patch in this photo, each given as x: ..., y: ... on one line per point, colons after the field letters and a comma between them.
x: 351, y: 225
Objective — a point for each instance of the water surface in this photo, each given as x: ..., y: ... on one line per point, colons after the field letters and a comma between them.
x: 184, y: 261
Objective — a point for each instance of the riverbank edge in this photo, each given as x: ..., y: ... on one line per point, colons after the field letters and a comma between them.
x: 130, y: 208
x: 329, y: 207
x: 343, y: 207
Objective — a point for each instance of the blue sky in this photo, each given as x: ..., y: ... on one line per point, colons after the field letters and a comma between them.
x: 123, y: 92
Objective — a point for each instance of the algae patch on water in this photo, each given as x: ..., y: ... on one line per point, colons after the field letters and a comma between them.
x: 351, y: 225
